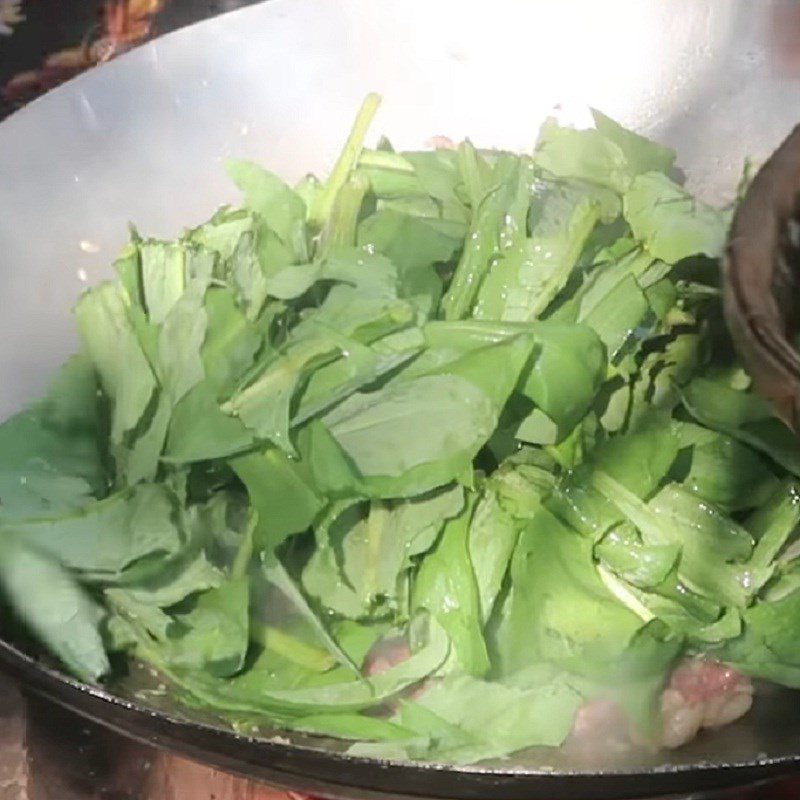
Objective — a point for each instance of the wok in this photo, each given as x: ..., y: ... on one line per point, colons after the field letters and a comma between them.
x: 143, y: 138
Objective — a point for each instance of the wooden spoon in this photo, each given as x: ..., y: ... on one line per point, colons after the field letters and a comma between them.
x: 762, y: 280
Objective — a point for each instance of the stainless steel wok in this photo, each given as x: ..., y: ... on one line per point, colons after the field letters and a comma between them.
x: 143, y: 138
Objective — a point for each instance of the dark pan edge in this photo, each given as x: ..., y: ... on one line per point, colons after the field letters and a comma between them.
x: 336, y: 775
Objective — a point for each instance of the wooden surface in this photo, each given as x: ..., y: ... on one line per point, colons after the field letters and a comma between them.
x: 50, y: 754
x: 45, y: 42
x: 13, y: 763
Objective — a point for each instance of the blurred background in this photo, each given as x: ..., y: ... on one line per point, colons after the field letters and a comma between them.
x: 45, y: 42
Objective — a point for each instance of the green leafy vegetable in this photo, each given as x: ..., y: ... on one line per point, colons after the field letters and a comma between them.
x: 52, y: 453
x: 529, y: 272
x: 743, y: 416
x: 428, y: 455
x: 670, y: 222
x: 478, y: 719
x: 51, y: 603
x: 447, y: 588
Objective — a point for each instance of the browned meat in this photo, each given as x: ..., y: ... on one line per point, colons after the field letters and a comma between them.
x: 702, y: 693
x: 600, y: 730
x: 386, y: 654
x: 441, y: 143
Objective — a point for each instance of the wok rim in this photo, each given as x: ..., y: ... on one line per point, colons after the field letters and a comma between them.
x: 300, y: 767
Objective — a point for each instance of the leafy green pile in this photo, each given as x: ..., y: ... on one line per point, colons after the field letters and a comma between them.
x: 477, y: 400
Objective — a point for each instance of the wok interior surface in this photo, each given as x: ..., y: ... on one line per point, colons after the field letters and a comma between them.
x: 279, y: 83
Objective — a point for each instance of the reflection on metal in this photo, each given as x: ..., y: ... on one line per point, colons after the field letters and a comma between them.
x: 701, y: 75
